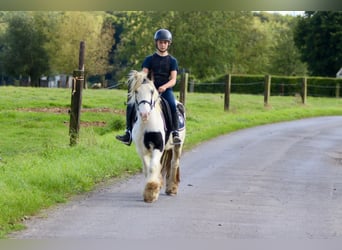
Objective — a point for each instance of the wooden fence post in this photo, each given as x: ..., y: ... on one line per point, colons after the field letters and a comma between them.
x: 76, y: 98
x: 304, y: 90
x: 183, y: 88
x: 227, y: 92
x: 267, y: 91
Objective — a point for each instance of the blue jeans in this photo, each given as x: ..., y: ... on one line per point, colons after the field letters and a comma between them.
x: 170, y: 98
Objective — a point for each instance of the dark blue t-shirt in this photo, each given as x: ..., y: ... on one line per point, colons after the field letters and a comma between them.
x: 160, y: 67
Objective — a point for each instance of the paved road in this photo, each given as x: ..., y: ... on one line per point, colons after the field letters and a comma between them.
x: 275, y: 181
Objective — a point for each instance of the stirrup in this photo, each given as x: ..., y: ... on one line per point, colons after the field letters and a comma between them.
x: 176, y: 138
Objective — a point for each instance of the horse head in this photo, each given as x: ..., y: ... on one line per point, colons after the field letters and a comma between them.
x: 142, y: 93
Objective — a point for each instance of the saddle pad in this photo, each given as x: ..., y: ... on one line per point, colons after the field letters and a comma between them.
x: 168, y: 116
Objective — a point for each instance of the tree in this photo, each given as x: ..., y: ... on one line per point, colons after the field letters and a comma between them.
x: 43, y: 43
x: 94, y: 28
x: 3, y: 26
x: 23, y: 51
x: 253, y: 49
x: 135, y: 39
x: 210, y: 43
x: 283, y: 55
x: 204, y: 42
x: 318, y: 36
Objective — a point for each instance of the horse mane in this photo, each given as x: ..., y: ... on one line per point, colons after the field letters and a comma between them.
x: 135, y: 80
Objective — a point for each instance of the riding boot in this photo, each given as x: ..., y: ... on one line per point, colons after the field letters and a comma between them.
x: 175, y: 125
x: 127, y: 137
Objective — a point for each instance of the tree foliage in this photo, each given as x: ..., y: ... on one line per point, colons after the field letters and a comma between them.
x: 203, y: 42
x: 70, y: 29
x: 42, y: 43
x: 318, y: 36
x: 284, y: 56
x: 206, y: 43
x: 23, y: 54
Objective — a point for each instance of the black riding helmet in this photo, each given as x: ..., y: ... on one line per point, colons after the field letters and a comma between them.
x: 163, y: 34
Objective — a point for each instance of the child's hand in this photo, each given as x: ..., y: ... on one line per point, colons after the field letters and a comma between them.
x: 161, y: 89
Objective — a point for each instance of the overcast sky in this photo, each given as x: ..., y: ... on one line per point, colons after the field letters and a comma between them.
x: 293, y: 13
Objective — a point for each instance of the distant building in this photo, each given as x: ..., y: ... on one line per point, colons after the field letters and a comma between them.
x: 56, y: 81
x: 339, y: 73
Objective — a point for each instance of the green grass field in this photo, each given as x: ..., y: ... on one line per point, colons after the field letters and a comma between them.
x: 39, y: 169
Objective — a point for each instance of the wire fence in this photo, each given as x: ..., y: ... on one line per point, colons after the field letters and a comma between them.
x: 261, y: 85
x: 280, y: 86
x: 280, y: 89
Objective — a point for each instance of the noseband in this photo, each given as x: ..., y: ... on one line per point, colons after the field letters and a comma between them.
x: 151, y: 103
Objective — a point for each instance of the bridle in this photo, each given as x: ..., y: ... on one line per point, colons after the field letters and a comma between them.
x: 151, y: 103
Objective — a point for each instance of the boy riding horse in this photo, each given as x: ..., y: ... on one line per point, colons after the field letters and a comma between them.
x: 162, y: 69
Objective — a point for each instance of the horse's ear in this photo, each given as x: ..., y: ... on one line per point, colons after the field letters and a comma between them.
x: 137, y: 75
x: 134, y: 73
x: 144, y: 73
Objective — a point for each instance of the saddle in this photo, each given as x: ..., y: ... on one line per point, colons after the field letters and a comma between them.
x: 168, y: 115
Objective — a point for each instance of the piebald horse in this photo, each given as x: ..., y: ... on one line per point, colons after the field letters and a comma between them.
x: 154, y: 144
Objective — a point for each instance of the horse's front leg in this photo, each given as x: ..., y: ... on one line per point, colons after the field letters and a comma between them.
x: 153, y: 179
x: 146, y: 163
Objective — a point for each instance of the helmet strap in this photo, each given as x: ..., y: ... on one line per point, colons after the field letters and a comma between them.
x: 162, y: 51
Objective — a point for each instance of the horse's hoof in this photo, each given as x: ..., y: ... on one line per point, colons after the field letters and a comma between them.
x: 171, y: 191
x: 151, y: 192
x: 147, y: 200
